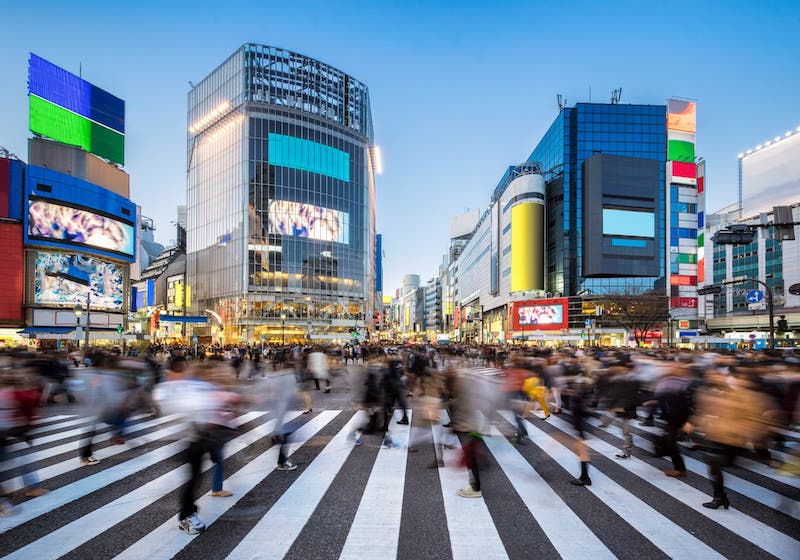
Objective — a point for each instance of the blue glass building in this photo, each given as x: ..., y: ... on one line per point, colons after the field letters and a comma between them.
x: 577, y: 134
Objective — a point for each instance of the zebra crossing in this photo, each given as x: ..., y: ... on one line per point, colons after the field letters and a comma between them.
x: 370, y: 501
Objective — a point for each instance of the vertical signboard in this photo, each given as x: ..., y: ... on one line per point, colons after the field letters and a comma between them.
x: 685, y: 181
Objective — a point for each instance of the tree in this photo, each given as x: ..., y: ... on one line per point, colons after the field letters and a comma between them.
x: 637, y: 311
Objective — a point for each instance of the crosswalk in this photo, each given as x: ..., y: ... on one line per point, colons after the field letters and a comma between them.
x: 371, y: 501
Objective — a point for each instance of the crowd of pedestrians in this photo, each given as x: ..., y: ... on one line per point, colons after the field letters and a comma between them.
x: 726, y: 405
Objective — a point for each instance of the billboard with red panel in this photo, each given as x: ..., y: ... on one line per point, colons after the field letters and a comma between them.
x: 10, y: 273
x: 540, y: 314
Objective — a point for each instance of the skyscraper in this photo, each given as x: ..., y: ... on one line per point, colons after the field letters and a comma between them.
x: 280, y: 199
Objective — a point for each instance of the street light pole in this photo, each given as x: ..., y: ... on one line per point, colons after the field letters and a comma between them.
x: 88, y: 323
x: 283, y: 329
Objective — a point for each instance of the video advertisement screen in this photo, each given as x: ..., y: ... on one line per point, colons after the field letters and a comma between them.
x: 540, y: 314
x: 66, y: 279
x: 51, y: 221
x: 306, y: 220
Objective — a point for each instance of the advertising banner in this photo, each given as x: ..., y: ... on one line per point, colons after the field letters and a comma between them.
x: 306, y: 220
x: 66, y: 279
x: 51, y: 221
x: 545, y: 314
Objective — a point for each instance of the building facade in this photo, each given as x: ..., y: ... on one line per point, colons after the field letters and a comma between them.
x: 587, y: 215
x: 769, y: 207
x: 280, y: 199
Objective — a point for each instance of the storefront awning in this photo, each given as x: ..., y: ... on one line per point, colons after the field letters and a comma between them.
x: 27, y: 331
x: 183, y: 319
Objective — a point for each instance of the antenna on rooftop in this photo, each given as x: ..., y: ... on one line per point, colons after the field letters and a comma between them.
x: 562, y: 101
x: 616, y: 95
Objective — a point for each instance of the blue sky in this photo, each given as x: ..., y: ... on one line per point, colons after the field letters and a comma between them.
x: 459, y: 90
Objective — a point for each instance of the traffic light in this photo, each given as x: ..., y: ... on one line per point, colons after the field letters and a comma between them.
x: 783, y: 325
x: 119, y: 329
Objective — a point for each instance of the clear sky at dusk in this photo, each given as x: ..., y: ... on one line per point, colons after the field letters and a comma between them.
x: 459, y: 90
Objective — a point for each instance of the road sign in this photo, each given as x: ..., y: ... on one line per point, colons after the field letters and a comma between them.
x: 194, y: 339
x: 794, y: 289
x: 753, y: 336
x: 263, y: 338
x: 754, y: 296
x: 587, y: 323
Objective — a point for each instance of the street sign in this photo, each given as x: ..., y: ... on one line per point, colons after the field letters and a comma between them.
x: 753, y: 336
x: 194, y: 339
x: 263, y: 338
x: 794, y: 289
x: 754, y: 296
x: 587, y: 323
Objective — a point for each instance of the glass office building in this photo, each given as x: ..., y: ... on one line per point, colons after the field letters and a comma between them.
x: 636, y: 132
x: 280, y: 199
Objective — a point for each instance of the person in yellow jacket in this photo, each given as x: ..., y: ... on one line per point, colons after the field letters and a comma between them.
x: 536, y: 392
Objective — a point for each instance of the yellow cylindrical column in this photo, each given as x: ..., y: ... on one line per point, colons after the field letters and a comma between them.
x: 527, y: 247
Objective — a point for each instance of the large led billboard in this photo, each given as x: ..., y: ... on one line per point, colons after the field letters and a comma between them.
x: 306, y: 220
x: 55, y: 222
x: 545, y: 314
x: 66, y: 279
x: 69, y: 109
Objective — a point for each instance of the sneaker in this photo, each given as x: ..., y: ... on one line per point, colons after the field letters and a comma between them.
x: 389, y: 444
x: 191, y: 525
x: 287, y: 466
x: 36, y: 492
x: 469, y: 492
x: 221, y: 493
x: 87, y: 461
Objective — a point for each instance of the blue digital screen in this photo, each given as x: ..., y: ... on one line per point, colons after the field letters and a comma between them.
x: 623, y: 242
x: 628, y: 223
x: 67, y: 90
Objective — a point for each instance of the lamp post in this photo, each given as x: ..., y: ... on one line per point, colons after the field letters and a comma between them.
x: 78, y: 313
x: 283, y: 329
x: 88, y: 322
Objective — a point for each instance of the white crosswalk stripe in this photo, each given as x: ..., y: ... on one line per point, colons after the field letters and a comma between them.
x: 152, y: 466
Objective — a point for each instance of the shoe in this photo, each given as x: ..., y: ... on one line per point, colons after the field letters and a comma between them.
x: 717, y: 503
x: 191, y: 525
x: 287, y: 466
x: 307, y: 411
x: 6, y: 508
x: 581, y: 481
x: 328, y: 390
x: 117, y: 441
x: 448, y: 425
x: 676, y: 474
x: 557, y: 411
x: 390, y: 445
x: 403, y: 420
x: 521, y: 440
x: 623, y: 455
x: 545, y: 417
x: 469, y: 492
x: 221, y: 493
x: 36, y: 492
x: 86, y: 461
x: 647, y: 423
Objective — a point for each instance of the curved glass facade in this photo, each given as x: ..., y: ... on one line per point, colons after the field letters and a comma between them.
x: 281, y: 212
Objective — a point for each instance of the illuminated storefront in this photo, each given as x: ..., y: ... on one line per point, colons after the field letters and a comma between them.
x: 281, y: 199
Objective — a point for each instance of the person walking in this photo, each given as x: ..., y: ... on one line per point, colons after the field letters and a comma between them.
x: 672, y: 395
x: 731, y: 414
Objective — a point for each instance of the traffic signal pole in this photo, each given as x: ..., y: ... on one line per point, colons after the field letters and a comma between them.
x: 770, y: 303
